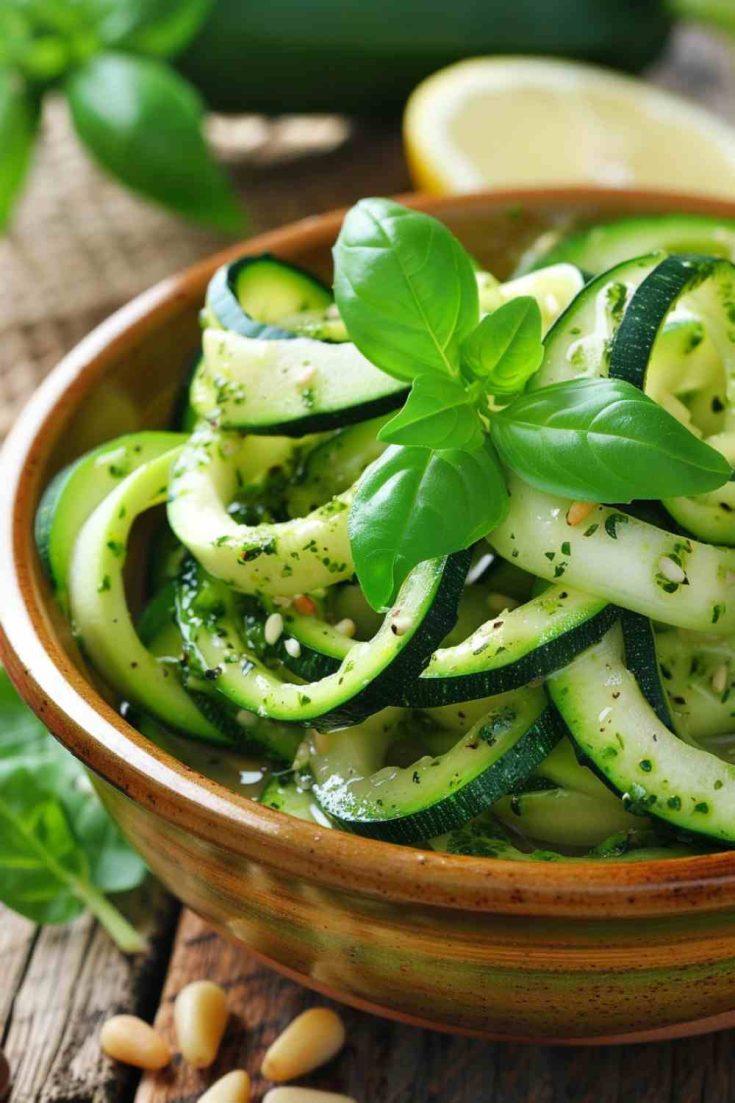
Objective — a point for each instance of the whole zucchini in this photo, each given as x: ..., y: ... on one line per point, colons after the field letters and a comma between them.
x: 363, y: 57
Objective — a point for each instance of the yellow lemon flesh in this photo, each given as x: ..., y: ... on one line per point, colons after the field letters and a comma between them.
x: 511, y: 122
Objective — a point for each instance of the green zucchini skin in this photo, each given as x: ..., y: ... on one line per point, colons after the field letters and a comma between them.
x: 505, y: 672
x: 641, y: 660
x: 209, y: 619
x: 646, y: 312
x: 241, y: 732
x: 365, y: 58
x: 290, y: 387
x: 616, y: 729
x: 249, y: 295
x: 579, y: 342
x: 596, y: 249
x: 710, y: 516
x: 310, y: 664
x: 433, y: 796
x: 507, y: 652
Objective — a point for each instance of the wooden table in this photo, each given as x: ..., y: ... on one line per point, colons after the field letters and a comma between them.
x: 59, y: 984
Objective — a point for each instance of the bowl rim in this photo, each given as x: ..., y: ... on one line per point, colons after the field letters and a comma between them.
x: 71, y: 708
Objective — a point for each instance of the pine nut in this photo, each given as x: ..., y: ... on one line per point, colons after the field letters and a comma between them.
x: 671, y: 570
x: 719, y: 679
x: 293, y: 647
x: 306, y: 376
x: 579, y: 512
x: 200, y: 1018
x: 232, y: 1088
x: 273, y: 629
x: 346, y: 627
x: 400, y: 624
x: 128, y: 1039
x: 304, y: 1095
x: 312, y: 1039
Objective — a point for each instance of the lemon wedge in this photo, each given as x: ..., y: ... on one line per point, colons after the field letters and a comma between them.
x: 511, y: 122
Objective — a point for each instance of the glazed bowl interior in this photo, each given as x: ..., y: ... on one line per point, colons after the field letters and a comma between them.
x: 126, y: 376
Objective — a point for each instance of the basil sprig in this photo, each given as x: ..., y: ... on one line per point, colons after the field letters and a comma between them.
x: 407, y: 293
x: 136, y: 115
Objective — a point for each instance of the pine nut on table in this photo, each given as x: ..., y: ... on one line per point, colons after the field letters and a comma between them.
x: 312, y: 1039
x: 232, y: 1088
x: 200, y: 1018
x: 128, y: 1039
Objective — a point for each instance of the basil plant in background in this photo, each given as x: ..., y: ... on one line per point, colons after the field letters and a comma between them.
x: 60, y: 853
x: 138, y: 117
x: 407, y: 293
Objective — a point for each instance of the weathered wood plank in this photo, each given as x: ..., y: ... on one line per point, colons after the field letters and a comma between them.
x: 17, y: 937
x: 74, y: 979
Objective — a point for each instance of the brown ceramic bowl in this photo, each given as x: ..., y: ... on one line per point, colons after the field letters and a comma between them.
x: 586, y: 952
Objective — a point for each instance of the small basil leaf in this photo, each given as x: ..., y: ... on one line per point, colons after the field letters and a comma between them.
x: 439, y: 413
x: 157, y: 27
x: 143, y: 123
x: 405, y: 288
x: 602, y: 440
x: 18, y: 126
x: 414, y: 504
x: 505, y: 349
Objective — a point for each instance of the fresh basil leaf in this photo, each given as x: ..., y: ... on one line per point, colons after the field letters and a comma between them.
x: 143, y: 123
x: 113, y: 865
x: 18, y: 126
x: 603, y: 440
x: 439, y: 413
x: 405, y: 288
x: 414, y: 504
x: 157, y: 27
x: 505, y: 349
x: 40, y: 860
x: 59, y: 849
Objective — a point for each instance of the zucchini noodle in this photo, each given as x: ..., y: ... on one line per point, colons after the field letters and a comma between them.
x: 563, y: 692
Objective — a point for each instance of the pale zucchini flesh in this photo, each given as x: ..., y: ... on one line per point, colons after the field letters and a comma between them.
x: 617, y: 730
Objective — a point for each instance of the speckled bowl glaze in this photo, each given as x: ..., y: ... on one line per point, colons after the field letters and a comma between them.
x: 524, y: 951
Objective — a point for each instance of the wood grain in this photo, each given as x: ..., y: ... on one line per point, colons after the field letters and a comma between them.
x: 74, y: 979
